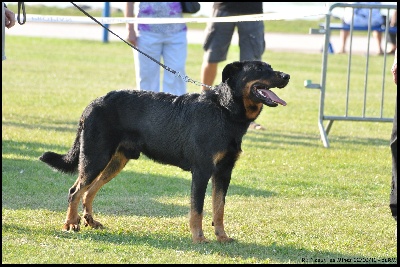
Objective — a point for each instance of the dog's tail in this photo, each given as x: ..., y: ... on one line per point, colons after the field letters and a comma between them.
x: 67, y: 163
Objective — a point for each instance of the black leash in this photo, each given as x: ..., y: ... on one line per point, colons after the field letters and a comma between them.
x: 21, y: 5
x: 177, y: 73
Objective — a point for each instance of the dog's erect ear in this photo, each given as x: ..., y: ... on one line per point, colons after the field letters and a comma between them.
x: 231, y: 70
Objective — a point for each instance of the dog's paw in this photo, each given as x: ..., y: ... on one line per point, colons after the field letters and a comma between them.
x: 200, y: 239
x: 92, y: 223
x: 225, y: 239
x: 71, y: 227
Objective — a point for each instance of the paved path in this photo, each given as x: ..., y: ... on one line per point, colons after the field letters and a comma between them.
x: 304, y: 43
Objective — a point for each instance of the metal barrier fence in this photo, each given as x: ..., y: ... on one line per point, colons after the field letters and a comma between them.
x: 327, y: 49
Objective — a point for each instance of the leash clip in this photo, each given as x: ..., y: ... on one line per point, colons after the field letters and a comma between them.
x: 188, y: 79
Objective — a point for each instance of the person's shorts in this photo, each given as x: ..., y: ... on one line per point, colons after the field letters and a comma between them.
x: 219, y: 37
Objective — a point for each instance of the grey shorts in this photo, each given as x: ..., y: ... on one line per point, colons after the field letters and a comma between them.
x: 219, y: 36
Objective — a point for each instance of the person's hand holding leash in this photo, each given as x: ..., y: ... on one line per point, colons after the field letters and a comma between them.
x: 132, y: 38
x: 9, y: 18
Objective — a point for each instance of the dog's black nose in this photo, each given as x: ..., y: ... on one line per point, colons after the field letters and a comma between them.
x: 285, y: 76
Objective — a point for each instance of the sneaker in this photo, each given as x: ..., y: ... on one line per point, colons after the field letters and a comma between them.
x: 256, y: 126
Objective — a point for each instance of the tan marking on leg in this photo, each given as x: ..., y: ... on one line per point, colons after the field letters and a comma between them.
x: 73, y: 220
x: 196, y: 227
x: 218, y: 214
x: 218, y: 157
x: 116, y: 164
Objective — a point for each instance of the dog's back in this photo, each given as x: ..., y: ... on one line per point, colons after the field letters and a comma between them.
x: 175, y: 130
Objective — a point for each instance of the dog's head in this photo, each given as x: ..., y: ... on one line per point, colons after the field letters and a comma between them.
x: 253, y: 80
x: 246, y: 87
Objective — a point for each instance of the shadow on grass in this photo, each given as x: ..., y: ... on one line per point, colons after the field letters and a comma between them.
x: 236, y: 249
x: 33, y: 185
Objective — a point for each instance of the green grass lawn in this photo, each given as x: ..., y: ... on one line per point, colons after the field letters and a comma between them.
x: 290, y: 201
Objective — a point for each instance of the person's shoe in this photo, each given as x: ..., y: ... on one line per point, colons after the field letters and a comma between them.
x: 255, y: 126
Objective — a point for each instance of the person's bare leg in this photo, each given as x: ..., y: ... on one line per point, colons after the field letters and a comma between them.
x: 378, y: 37
x: 208, y: 74
x: 343, y: 37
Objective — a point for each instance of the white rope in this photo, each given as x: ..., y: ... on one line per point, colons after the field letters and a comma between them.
x: 119, y: 20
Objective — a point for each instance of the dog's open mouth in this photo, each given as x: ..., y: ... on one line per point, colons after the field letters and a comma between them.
x: 266, y: 96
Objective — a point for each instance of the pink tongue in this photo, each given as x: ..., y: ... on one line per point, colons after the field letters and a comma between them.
x: 274, y: 97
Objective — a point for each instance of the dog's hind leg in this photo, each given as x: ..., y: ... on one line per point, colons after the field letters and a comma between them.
x: 116, y: 164
x: 73, y: 219
x: 91, y: 165
x: 86, y: 187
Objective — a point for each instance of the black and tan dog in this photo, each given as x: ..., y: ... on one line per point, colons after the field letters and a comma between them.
x: 200, y: 133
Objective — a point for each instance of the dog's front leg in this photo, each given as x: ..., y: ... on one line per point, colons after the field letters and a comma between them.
x: 220, y: 187
x: 196, y: 227
x: 198, y: 192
